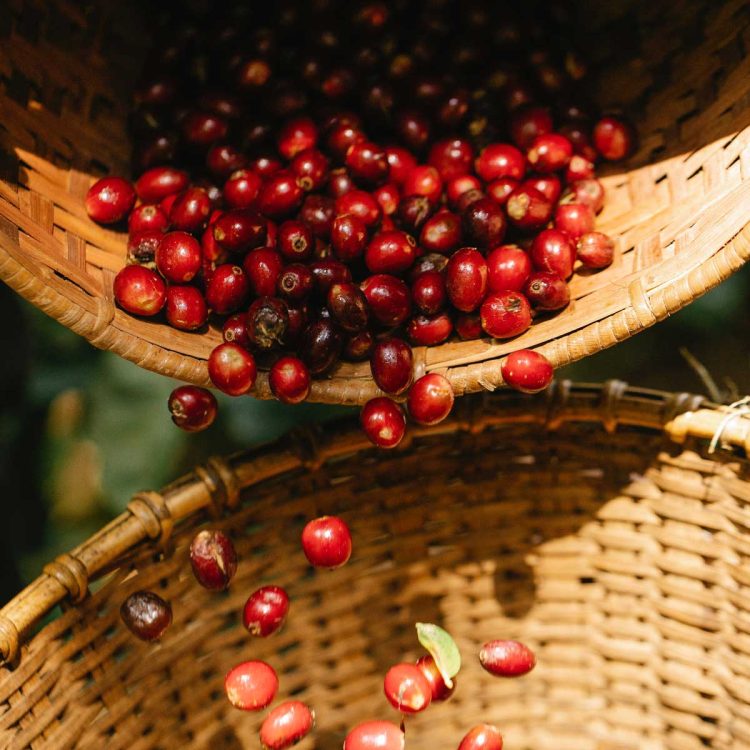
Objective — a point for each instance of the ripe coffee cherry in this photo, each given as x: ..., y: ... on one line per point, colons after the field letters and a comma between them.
x: 360, y: 204
x: 574, y: 219
x: 390, y: 252
x: 548, y: 185
x: 451, y: 157
x: 295, y: 241
x: 251, y: 685
x: 142, y: 246
x: 549, y: 152
x: 579, y: 168
x: 286, y: 725
x: 428, y: 292
x: 265, y: 611
x: 423, y: 180
x: 383, y: 422
x: 414, y: 130
x: 430, y: 399
x: 213, y: 559
x: 407, y: 689
x: 505, y: 314
x: 508, y: 268
x: 500, y: 160
x: 375, y: 735
x: 201, y: 129
x: 358, y: 346
x: 109, y: 200
x: 588, y: 192
x: 227, y: 289
x: 595, y: 250
x: 466, y: 279
x: 527, y: 208
x: 297, y: 135
x: 459, y: 185
x: 482, y: 737
x: 391, y: 365
x: 484, y: 223
x: 469, y: 326
x: 157, y: 183
x: 388, y: 299
x: 223, y: 159
x: 327, y: 542
x: 239, y: 230
x: 280, y: 195
x: 241, y: 189
x: 507, y: 658
x: 326, y: 273
x: 147, y: 217
x: 193, y: 409
x: 614, y: 139
x: 318, y: 212
x: 388, y: 197
x: 295, y: 283
x: 289, y: 379
x: 178, y: 257
x: 528, y: 123
x: 267, y: 322
x: 440, y: 233
x: 190, y: 210
x: 262, y: 267
x: 186, y: 308
x: 320, y: 345
x: 501, y: 188
x: 348, y: 237
x: 146, y: 615
x: 232, y: 369
x: 140, y: 291
x: 348, y: 306
x: 235, y: 331
x: 401, y: 162
x: 341, y: 138
x: 413, y: 212
x: 311, y: 168
x: 428, y: 667
x: 367, y: 162
x: 552, y: 251
x: 429, y: 330
x: 527, y: 371
x: 546, y: 291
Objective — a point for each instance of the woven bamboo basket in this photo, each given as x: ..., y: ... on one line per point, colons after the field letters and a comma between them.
x: 679, y: 208
x: 596, y: 523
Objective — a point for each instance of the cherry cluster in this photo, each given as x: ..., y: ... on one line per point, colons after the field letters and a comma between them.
x: 348, y: 181
x: 253, y: 685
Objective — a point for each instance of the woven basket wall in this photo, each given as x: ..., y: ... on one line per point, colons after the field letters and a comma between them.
x: 679, y: 208
x: 591, y: 522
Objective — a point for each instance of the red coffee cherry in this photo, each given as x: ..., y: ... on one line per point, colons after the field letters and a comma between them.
x: 178, y: 257
x: 466, y: 279
x: 388, y: 299
x: 528, y: 208
x: 192, y: 408
x: 390, y: 252
x: 595, y: 250
x: 186, y: 308
x: 391, y: 365
x: 327, y: 542
x: 241, y: 189
x: 614, y: 138
x: 383, y: 422
x: 407, y: 689
x: 147, y: 217
x: 232, y: 369
x: 289, y: 379
x: 140, y: 291
x: 190, y: 210
x: 588, y: 192
x: 500, y: 160
x: 423, y: 180
x: 295, y: 241
x: 546, y: 291
x: 109, y: 200
x: 430, y: 399
x: 227, y: 289
x: 428, y: 292
x: 348, y: 306
x: 265, y: 611
x: 157, y: 183
x: 552, y: 251
x: 297, y: 135
x: 574, y: 219
x: 507, y: 658
x: 505, y: 314
x: 251, y: 685
x: 428, y: 667
x: 484, y: 223
x: 286, y: 725
x: 375, y: 735
x: 429, y: 330
x: 348, y: 237
x: 482, y: 737
x: 213, y: 559
x: 527, y: 371
x: 239, y: 230
x: 549, y: 152
x: 508, y: 269
x: 441, y: 233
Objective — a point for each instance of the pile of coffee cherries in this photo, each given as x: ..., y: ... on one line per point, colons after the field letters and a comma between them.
x: 253, y: 685
x: 346, y: 181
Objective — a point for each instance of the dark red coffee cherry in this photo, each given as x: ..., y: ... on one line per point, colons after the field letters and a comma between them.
x: 228, y: 289
x: 388, y: 299
x: 192, y: 408
x: 466, y: 279
x: 186, y: 308
x: 391, y: 364
x: 267, y: 322
x: 213, y: 559
x: 146, y: 615
x: 109, y: 200
x: 265, y: 611
x: 383, y: 422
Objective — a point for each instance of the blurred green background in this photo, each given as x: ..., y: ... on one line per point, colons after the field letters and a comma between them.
x: 82, y: 430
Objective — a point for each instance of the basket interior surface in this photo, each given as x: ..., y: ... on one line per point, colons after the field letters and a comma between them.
x: 620, y: 557
x: 677, y: 209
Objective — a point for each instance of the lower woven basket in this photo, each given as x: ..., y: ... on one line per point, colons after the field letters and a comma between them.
x: 595, y: 523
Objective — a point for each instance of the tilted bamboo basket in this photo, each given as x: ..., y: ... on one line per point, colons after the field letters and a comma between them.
x: 679, y: 209
x: 595, y: 523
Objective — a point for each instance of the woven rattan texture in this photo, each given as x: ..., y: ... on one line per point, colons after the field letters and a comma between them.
x: 679, y: 211
x: 619, y: 555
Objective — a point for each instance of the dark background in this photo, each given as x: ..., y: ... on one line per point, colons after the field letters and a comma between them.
x: 81, y: 430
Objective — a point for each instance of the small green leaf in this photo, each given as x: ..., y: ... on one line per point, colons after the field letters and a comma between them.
x: 442, y: 648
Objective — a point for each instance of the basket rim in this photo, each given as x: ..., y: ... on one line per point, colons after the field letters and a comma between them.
x: 215, y: 486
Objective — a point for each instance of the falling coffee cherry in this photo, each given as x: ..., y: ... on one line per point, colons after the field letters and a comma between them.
x: 251, y: 686
x: 482, y: 737
x: 193, y: 409
x: 265, y: 611
x: 375, y: 735
x: 507, y: 658
x: 327, y: 542
x: 286, y: 725
x: 146, y: 615
x: 213, y: 559
x: 407, y: 689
